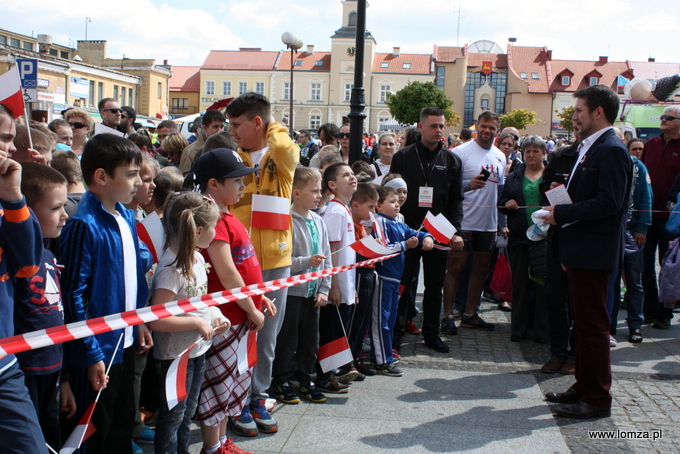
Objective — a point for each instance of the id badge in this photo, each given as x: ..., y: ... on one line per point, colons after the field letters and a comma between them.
x: 425, y: 196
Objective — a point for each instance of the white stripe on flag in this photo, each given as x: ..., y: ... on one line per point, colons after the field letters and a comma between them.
x: 370, y: 248
x: 176, y: 379
x: 270, y: 212
x: 334, y: 354
x: 439, y: 227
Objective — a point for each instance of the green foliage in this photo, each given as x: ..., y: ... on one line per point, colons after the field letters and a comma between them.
x: 406, y: 104
x: 519, y: 118
x: 565, y: 116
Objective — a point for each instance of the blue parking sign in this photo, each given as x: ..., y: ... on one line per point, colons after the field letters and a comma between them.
x: 28, y: 71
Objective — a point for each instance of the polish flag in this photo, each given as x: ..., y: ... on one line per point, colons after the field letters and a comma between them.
x: 176, y: 379
x: 82, y: 432
x: 370, y: 248
x: 270, y: 212
x: 11, y: 94
x: 440, y: 227
x: 247, y: 351
x: 334, y: 354
x: 377, y: 230
x: 151, y: 232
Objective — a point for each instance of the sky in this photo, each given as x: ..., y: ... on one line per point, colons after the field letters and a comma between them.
x: 184, y: 32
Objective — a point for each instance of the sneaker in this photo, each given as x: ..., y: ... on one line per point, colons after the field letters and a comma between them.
x: 411, y: 328
x: 396, y: 357
x: 265, y: 423
x: 244, y: 425
x: 389, y: 369
x: 448, y: 326
x: 662, y: 323
x: 366, y: 345
x: 456, y: 314
x: 475, y: 321
x: 146, y: 437
x: 333, y: 386
x: 346, y: 374
x: 230, y: 448
x: 311, y: 393
x: 286, y: 394
x: 366, y: 369
x: 612, y: 341
x: 136, y: 449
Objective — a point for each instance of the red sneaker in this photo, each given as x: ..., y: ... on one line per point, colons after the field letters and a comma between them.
x: 411, y: 328
x: 230, y: 448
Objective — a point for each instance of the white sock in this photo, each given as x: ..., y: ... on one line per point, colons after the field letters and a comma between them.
x: 212, y: 449
x: 223, y: 439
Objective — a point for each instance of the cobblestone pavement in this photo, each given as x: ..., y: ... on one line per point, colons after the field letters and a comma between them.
x: 643, y: 400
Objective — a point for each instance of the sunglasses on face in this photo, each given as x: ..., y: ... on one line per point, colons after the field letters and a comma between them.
x: 113, y: 111
x: 343, y: 135
x: 77, y: 125
x: 669, y: 117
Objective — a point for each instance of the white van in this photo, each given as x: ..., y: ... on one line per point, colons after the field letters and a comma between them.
x: 186, y: 125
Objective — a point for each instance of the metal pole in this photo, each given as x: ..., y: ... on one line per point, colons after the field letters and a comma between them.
x: 290, y: 95
x: 358, y: 100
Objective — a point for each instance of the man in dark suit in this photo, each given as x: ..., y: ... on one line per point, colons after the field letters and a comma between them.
x: 590, y: 245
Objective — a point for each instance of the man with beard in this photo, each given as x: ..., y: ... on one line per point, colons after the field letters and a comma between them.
x: 483, y: 173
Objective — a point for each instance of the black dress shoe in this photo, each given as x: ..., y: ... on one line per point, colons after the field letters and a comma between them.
x: 635, y: 336
x: 570, y: 396
x: 582, y: 410
x: 436, y: 344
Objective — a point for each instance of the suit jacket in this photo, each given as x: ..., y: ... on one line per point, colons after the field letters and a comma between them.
x: 599, y: 189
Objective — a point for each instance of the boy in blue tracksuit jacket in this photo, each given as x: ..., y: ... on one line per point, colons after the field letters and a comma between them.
x: 399, y: 237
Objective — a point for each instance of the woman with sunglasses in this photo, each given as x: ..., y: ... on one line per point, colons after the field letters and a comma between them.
x: 81, y: 122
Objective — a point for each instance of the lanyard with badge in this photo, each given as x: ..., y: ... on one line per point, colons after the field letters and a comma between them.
x: 426, y: 193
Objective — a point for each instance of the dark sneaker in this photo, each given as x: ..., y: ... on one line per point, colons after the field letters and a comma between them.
x: 265, y: 423
x: 244, y: 425
x: 389, y: 369
x: 662, y: 323
x: 346, y: 374
x: 365, y: 369
x: 448, y: 326
x: 311, y: 393
x: 286, y: 394
x: 332, y: 386
x: 475, y: 321
x: 146, y: 437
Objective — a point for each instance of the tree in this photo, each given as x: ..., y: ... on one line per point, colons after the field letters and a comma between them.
x: 565, y: 116
x: 519, y: 118
x: 406, y: 104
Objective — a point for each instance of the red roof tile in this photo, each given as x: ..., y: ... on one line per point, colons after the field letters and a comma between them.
x: 448, y: 54
x: 531, y: 60
x: 308, y: 61
x: 653, y: 70
x: 498, y: 60
x: 420, y: 63
x: 582, y: 70
x: 244, y: 59
x: 185, y: 78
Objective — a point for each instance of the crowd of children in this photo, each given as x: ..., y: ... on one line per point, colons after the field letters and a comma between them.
x: 98, y: 199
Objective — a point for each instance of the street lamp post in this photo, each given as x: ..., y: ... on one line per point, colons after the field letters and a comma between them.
x: 87, y: 19
x: 293, y: 43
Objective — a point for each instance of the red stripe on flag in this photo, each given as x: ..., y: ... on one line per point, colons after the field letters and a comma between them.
x: 333, y: 347
x: 274, y: 221
x: 181, y: 384
x: 252, y: 348
x: 439, y: 236
x: 143, y: 235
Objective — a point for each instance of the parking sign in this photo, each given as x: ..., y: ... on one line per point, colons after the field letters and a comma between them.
x: 28, y: 71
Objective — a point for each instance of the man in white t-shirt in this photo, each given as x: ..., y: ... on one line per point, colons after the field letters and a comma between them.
x: 483, y: 171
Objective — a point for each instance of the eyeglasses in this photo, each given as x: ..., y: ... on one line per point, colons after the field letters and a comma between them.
x: 343, y: 135
x: 669, y: 117
x: 113, y: 111
x: 123, y: 117
x: 77, y: 125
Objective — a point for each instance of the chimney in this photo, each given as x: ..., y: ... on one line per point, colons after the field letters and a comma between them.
x: 165, y: 63
x: 310, y: 49
x: 603, y: 59
x: 395, y: 51
x: 651, y: 59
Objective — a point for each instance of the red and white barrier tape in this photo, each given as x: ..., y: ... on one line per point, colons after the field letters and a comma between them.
x: 78, y: 330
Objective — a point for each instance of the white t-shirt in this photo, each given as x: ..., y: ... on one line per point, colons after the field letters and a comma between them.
x: 340, y: 228
x: 167, y: 276
x: 129, y: 271
x: 384, y: 169
x: 482, y: 215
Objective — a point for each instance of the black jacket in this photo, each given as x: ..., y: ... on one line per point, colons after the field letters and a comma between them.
x: 517, y: 219
x: 442, y: 170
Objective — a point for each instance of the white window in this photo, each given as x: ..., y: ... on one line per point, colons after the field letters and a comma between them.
x: 242, y: 88
x: 226, y: 88
x: 160, y: 90
x: 286, y: 91
x: 566, y: 80
x: 348, y: 92
x: 523, y: 75
x: 406, y: 66
x: 594, y: 81
x: 316, y: 92
x: 259, y: 88
x: 385, y: 64
x: 534, y: 75
x: 298, y: 62
x: 314, y: 121
x: 384, y: 89
x: 210, y: 88
x: 318, y: 63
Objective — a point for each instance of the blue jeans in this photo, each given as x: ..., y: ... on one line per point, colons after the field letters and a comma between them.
x: 173, y: 426
x: 633, y: 264
x: 19, y: 429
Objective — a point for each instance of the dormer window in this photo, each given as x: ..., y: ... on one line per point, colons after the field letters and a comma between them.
x: 406, y: 66
x: 318, y: 63
x: 566, y: 80
x: 385, y: 64
x: 298, y: 62
x: 523, y: 75
x: 534, y: 76
x: 594, y: 81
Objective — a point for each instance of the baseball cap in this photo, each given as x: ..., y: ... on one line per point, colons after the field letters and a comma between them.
x: 219, y: 163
